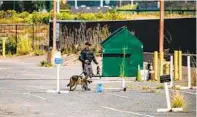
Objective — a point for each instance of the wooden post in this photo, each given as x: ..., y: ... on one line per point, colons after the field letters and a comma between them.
x: 180, y: 65
x: 176, y: 65
x: 54, y: 25
x: 155, y: 65
x: 161, y: 30
x: 161, y: 36
x: 161, y: 63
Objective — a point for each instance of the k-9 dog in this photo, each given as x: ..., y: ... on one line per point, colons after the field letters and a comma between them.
x: 78, y: 80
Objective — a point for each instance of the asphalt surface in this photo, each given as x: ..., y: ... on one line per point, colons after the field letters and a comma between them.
x: 24, y: 85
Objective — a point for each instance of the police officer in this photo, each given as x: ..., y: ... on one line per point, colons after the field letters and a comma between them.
x: 86, y: 57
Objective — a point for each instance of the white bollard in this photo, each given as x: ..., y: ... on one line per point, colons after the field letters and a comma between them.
x: 58, y: 79
x: 167, y: 100
x: 188, y: 74
x: 189, y: 71
x: 58, y: 60
x: 167, y: 95
x: 123, y: 83
x: 171, y: 71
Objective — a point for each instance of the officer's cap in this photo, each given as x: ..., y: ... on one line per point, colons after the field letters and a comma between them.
x: 88, y: 43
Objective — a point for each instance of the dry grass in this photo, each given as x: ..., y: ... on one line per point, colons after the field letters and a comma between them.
x: 146, y: 88
x: 73, y: 39
x: 177, y: 100
x: 45, y: 64
x: 129, y: 86
x: 176, y: 87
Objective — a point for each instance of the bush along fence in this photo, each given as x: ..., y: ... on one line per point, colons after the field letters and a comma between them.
x: 22, y: 39
x: 11, y: 16
x: 71, y: 40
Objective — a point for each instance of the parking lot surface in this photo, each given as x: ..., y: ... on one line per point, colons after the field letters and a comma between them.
x: 24, y: 85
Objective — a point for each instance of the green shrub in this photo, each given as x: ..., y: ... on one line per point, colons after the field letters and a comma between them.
x: 10, y: 13
x: 39, y: 52
x: 128, y: 6
x: 67, y: 16
x: 11, y: 16
x: 11, y: 45
x: 1, y: 14
x: 23, y: 14
x: 38, y: 17
x: 24, y: 45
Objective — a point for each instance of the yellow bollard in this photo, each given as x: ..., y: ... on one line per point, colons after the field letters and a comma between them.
x: 3, y: 45
x: 167, y: 69
x: 180, y: 65
x: 175, y: 65
x: 155, y: 65
x: 161, y: 63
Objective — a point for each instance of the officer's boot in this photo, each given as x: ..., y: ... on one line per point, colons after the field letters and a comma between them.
x: 86, y: 87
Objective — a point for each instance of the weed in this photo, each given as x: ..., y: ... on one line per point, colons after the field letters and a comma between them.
x: 24, y: 45
x: 160, y: 87
x: 139, y: 77
x: 39, y: 52
x: 177, y: 100
x: 129, y: 86
x: 122, y: 66
x: 176, y: 87
x: 146, y: 88
x: 45, y: 64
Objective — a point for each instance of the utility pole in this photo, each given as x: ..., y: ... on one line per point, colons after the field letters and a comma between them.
x: 57, y: 24
x: 161, y: 36
x: 54, y: 25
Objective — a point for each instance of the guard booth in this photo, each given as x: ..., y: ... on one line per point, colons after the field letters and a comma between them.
x: 121, y: 47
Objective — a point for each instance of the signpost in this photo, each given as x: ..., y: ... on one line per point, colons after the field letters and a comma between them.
x: 171, y: 71
x: 58, y: 61
x: 164, y: 79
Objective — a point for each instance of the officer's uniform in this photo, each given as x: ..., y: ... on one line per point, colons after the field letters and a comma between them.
x: 87, y: 55
x: 87, y: 66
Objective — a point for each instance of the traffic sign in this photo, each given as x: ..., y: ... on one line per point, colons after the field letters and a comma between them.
x: 58, y: 60
x: 165, y: 78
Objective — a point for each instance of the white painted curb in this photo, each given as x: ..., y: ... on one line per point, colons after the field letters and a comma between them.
x: 177, y: 109
x: 163, y: 110
x: 55, y: 91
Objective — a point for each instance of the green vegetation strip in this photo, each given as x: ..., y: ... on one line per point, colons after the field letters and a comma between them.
x: 11, y: 16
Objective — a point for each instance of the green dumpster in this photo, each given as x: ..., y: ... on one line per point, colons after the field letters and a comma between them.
x: 121, y: 47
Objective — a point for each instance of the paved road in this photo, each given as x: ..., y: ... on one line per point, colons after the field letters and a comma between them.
x: 23, y: 87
